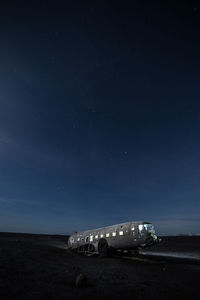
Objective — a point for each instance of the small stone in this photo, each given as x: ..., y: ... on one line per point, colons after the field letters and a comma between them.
x: 81, y: 280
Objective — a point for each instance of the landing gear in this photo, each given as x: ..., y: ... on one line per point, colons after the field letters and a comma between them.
x: 103, y: 248
x: 87, y: 249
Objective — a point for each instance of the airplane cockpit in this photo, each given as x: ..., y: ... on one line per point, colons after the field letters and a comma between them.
x: 147, y: 227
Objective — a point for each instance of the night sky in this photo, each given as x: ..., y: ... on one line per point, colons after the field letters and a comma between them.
x: 99, y: 115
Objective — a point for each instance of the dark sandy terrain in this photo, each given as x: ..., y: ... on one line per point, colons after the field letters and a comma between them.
x: 40, y: 267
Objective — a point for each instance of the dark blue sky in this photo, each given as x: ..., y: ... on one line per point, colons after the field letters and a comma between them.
x: 99, y: 115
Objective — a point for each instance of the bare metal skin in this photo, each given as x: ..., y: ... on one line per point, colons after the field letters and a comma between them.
x: 125, y: 236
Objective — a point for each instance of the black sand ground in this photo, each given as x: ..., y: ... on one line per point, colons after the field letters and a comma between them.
x: 39, y: 267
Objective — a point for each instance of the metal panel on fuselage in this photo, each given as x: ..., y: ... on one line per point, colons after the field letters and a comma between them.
x: 129, y: 239
x: 122, y: 238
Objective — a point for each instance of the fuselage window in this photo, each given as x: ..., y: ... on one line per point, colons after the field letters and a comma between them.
x: 91, y: 238
x: 121, y: 232
x: 132, y: 228
x: 78, y: 239
x: 96, y: 236
x: 101, y: 235
x: 114, y: 234
x: 107, y: 234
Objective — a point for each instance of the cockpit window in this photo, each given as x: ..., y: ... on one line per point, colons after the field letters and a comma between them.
x: 148, y: 227
x: 141, y: 227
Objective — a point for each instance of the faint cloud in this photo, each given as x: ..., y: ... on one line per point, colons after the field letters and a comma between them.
x: 8, y: 200
x: 3, y: 199
x: 9, y: 144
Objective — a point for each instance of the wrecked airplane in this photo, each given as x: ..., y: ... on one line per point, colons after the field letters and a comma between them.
x: 126, y: 236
